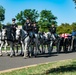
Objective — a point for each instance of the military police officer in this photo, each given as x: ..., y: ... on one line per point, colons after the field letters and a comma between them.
x: 13, y: 28
x: 53, y: 31
x: 27, y: 27
x: 35, y: 29
x: 73, y: 37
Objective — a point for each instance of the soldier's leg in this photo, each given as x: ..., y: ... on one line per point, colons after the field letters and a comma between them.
x: 72, y: 43
x: 30, y: 34
x: 53, y: 36
x: 1, y: 48
x: 25, y: 51
x: 37, y: 45
x: 14, y: 34
x: 11, y: 49
x: 35, y: 35
x: 5, y: 48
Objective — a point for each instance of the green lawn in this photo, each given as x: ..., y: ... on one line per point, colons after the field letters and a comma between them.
x: 65, y: 67
x: 8, y: 48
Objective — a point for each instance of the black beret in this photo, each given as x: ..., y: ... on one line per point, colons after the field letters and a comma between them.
x: 13, y: 19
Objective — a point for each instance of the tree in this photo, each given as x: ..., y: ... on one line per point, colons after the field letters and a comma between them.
x: 64, y: 28
x: 8, y: 24
x: 73, y: 26
x: 27, y: 13
x: 2, y: 13
x: 46, y: 19
x: 20, y: 17
x: 0, y: 26
x: 75, y: 3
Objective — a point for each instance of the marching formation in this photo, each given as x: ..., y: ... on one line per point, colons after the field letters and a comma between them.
x: 32, y: 42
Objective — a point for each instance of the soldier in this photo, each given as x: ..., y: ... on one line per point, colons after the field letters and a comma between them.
x: 28, y: 27
x: 53, y: 31
x: 13, y: 27
x: 74, y: 32
x: 35, y: 29
x: 73, y: 37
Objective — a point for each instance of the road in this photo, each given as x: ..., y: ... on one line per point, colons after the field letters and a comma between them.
x: 7, y: 62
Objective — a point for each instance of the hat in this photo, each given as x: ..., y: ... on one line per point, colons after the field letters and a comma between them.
x: 27, y: 18
x: 13, y: 19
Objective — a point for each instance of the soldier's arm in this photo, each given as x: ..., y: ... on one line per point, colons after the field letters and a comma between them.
x: 23, y: 27
x: 30, y: 28
x: 55, y: 29
x: 16, y: 26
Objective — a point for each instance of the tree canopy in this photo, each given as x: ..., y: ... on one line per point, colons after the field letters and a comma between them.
x: 74, y: 3
x: 46, y: 19
x: 2, y: 13
x: 32, y: 14
x: 66, y: 28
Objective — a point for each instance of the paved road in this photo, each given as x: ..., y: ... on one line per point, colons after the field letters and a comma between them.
x: 8, y: 63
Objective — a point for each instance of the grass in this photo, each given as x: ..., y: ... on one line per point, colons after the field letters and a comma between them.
x: 8, y: 48
x: 65, y: 67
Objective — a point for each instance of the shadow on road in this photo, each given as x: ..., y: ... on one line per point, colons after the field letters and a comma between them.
x: 46, y: 55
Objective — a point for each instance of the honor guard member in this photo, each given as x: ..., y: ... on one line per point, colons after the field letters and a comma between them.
x: 35, y: 29
x: 53, y: 31
x: 73, y: 37
x: 13, y: 27
x: 28, y: 27
x: 74, y: 32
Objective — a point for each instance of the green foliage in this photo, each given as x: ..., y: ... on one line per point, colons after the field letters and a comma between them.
x: 31, y: 14
x: 8, y: 24
x: 27, y: 13
x: 66, y: 28
x: 46, y: 19
x: 20, y: 17
x: 74, y: 26
x: 2, y: 13
x: 0, y: 26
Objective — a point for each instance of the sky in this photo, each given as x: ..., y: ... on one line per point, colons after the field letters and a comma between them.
x: 64, y: 10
